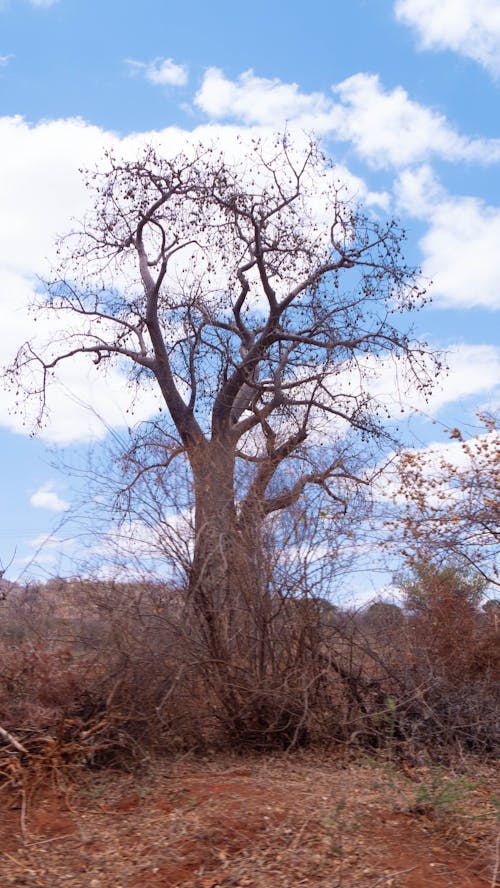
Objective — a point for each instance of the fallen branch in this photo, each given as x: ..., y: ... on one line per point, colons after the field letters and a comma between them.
x: 12, y: 740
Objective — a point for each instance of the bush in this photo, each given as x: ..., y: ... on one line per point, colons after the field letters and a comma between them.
x: 117, y: 672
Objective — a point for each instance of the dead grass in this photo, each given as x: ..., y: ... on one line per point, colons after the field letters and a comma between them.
x: 254, y: 822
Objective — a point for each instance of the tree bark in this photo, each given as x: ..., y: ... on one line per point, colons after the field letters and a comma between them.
x: 210, y: 594
x: 227, y: 584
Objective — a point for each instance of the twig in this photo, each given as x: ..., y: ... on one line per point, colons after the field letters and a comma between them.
x: 392, y: 875
x: 295, y: 841
x: 18, y: 862
x: 12, y: 740
x: 494, y: 881
x: 53, y: 839
x: 22, y: 818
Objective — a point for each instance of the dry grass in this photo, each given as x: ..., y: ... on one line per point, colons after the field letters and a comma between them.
x: 255, y: 822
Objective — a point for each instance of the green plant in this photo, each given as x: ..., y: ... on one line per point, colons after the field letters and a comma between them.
x: 442, y: 795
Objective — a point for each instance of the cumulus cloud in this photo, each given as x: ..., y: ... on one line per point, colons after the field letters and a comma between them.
x: 45, y: 540
x: 470, y: 27
x: 386, y: 127
x: 4, y: 60
x: 473, y: 371
x: 390, y: 129
x: 47, y: 498
x: 434, y: 462
x: 82, y: 403
x: 49, y: 555
x: 43, y: 190
x: 160, y: 72
x: 461, y: 253
x: 460, y: 247
x: 83, y: 406
x: 38, y: 199
x: 259, y: 100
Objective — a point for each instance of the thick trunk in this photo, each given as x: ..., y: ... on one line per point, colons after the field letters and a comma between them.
x: 213, y: 471
x: 226, y: 584
x: 251, y: 663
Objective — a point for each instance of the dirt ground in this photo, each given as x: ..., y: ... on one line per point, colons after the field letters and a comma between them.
x: 275, y: 822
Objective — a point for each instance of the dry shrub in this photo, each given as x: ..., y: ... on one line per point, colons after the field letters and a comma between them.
x: 133, y: 677
x: 271, y: 683
x: 444, y: 607
x: 39, y: 683
x: 446, y: 666
x: 113, y: 689
x: 109, y: 673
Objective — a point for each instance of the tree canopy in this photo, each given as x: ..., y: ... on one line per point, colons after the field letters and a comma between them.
x: 259, y: 299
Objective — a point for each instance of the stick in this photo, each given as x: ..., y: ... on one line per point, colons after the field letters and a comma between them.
x: 497, y: 862
x: 392, y: 875
x: 52, y: 839
x: 18, y: 862
x: 15, y: 743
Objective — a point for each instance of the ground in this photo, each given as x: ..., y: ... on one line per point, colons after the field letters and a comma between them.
x: 265, y: 822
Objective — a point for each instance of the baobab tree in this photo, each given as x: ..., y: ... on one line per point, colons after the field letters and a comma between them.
x: 258, y: 297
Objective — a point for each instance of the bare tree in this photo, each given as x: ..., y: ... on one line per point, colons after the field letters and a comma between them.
x: 258, y: 297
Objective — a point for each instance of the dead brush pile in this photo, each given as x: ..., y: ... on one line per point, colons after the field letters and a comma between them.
x: 89, y: 681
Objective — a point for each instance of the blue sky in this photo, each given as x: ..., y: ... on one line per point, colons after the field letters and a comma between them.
x: 405, y: 95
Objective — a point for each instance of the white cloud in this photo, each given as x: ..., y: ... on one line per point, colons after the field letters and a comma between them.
x: 5, y: 59
x: 51, y: 555
x: 389, y: 129
x: 43, y: 189
x: 47, y: 498
x: 45, y: 540
x: 38, y: 199
x: 386, y: 127
x: 434, y: 462
x: 258, y: 100
x: 473, y: 371
x: 82, y: 404
x: 160, y: 72
x: 461, y: 253
x: 470, y: 27
x: 460, y: 247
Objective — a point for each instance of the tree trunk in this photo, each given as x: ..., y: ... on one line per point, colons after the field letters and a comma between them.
x: 213, y: 471
x: 251, y: 663
x: 226, y: 584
